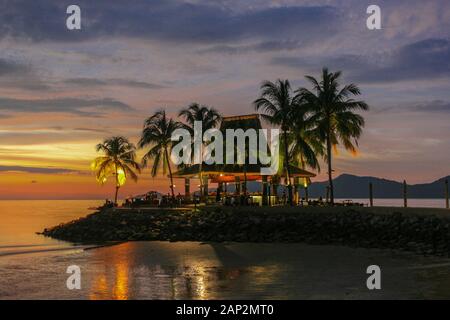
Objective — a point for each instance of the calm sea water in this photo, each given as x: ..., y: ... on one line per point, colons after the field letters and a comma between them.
x: 34, y: 267
x: 20, y: 220
x: 414, y: 203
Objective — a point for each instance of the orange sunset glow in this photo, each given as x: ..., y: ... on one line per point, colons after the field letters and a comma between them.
x: 63, y: 92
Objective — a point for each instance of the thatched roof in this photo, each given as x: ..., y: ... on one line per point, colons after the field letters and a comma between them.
x: 250, y: 121
x: 213, y: 170
x: 243, y: 122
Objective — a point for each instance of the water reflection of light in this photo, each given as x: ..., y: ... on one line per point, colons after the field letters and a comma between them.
x: 113, y: 281
x: 189, y: 282
x: 120, y: 289
x: 99, y: 288
x: 201, y: 279
x: 172, y: 272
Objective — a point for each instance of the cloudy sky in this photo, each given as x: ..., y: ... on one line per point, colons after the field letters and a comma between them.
x: 62, y: 91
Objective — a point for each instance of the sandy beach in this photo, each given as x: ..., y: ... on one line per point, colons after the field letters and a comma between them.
x: 192, y: 270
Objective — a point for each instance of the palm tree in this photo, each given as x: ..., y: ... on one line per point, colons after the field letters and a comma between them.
x: 278, y: 105
x: 157, y: 134
x: 209, y: 117
x: 333, y: 112
x: 118, y: 161
x: 304, y: 142
x: 305, y: 146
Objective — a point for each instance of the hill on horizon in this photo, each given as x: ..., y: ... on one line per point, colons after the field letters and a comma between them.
x: 351, y: 186
x: 357, y: 187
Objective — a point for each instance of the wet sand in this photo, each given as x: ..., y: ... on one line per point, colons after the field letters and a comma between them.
x: 192, y: 270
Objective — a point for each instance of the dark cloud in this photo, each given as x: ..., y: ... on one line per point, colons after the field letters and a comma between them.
x: 429, y: 107
x: 30, y: 84
x: 8, y: 67
x: 78, y: 106
x: 438, y: 106
x: 14, y: 74
x: 425, y: 59
x: 422, y: 60
x: 264, y: 46
x: 91, y: 130
x: 165, y: 20
x: 37, y: 170
x: 89, y: 82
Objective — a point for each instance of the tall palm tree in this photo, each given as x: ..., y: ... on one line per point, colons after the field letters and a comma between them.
x: 305, y: 147
x: 278, y: 105
x: 118, y: 161
x: 209, y: 117
x: 333, y: 111
x: 304, y: 143
x: 157, y: 134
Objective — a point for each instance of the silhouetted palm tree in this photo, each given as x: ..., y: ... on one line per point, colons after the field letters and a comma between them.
x: 118, y: 161
x: 210, y: 118
x: 278, y: 105
x: 333, y: 112
x: 157, y: 134
x: 304, y: 143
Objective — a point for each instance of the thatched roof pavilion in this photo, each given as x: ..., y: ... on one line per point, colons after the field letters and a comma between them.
x: 235, y: 173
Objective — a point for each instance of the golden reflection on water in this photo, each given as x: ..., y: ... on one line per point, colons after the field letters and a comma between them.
x: 113, y: 281
x: 99, y: 288
x: 167, y: 272
x: 120, y: 290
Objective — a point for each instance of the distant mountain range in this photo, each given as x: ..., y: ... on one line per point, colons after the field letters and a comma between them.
x: 355, y: 187
x: 350, y: 186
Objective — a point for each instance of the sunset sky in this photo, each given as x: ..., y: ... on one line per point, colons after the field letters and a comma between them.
x: 62, y: 92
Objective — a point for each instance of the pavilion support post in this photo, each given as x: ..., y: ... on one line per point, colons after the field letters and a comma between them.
x: 225, y: 189
x: 237, y: 181
x: 446, y: 194
x: 205, y: 188
x: 371, y: 194
x: 264, y: 191
x: 219, y: 191
x: 275, y: 193
x: 187, y: 187
x: 296, y: 194
x: 405, y: 194
x: 269, y: 191
x: 306, y: 194
x: 244, y: 187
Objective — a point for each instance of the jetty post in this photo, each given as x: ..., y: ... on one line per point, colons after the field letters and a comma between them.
x: 187, y: 188
x: 371, y: 194
x: 446, y: 194
x: 405, y: 194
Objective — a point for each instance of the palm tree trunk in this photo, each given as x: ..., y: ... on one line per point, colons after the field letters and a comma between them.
x: 117, y: 193
x: 117, y: 185
x: 330, y: 170
x: 286, y: 165
x: 202, y: 191
x: 170, y: 173
x: 200, y: 169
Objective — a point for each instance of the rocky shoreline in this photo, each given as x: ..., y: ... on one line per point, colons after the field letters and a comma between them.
x: 427, y: 234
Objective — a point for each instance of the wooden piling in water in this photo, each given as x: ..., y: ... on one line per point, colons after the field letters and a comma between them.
x: 446, y: 194
x: 371, y: 194
x: 187, y: 188
x: 405, y: 194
